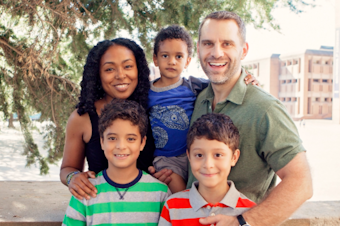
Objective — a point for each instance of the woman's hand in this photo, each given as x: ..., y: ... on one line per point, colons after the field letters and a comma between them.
x: 81, y: 187
x: 251, y: 79
x: 163, y: 175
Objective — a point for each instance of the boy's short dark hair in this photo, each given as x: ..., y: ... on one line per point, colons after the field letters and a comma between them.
x: 214, y: 126
x: 173, y: 32
x: 126, y: 110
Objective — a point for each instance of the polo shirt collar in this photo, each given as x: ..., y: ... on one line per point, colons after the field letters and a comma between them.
x: 237, y: 93
x: 197, y: 201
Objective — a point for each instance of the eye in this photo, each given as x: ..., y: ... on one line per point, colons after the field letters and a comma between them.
x: 198, y: 155
x: 164, y: 56
x: 227, y: 44
x: 128, y: 66
x: 109, y: 69
x: 218, y: 155
x: 207, y: 44
x: 112, y: 138
x: 179, y: 57
x: 131, y: 139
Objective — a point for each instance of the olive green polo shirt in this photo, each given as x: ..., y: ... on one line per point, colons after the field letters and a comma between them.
x: 268, y: 136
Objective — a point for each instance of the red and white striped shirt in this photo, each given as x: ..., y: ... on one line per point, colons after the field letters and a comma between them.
x: 188, y: 206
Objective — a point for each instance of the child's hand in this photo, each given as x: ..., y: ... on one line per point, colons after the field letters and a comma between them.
x: 81, y: 187
x: 163, y: 175
x: 220, y: 220
x: 251, y: 79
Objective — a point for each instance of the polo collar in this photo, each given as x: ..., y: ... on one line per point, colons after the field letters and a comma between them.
x: 197, y: 201
x: 236, y: 95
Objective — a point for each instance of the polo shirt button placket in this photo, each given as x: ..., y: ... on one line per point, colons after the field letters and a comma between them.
x: 212, y: 214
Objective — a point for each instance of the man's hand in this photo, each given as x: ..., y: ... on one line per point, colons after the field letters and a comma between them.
x: 220, y: 220
x: 81, y: 187
x: 163, y: 175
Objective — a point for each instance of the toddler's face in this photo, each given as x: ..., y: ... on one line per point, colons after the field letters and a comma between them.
x: 172, y: 58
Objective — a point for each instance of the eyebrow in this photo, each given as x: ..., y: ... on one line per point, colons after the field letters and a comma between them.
x: 110, y: 62
x: 129, y: 134
x: 225, y: 40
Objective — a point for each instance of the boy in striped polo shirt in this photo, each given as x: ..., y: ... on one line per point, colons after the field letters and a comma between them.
x: 126, y: 195
x: 212, y: 143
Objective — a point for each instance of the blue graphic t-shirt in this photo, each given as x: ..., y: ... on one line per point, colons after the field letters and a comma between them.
x: 170, y: 109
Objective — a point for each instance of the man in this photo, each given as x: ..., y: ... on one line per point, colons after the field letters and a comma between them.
x: 269, y: 141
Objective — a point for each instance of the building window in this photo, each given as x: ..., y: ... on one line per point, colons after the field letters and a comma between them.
x: 284, y: 99
x: 289, y: 99
x: 310, y: 66
x: 324, y: 80
x: 315, y: 80
x: 289, y: 81
x: 317, y: 99
x: 309, y: 85
x: 308, y: 105
x: 289, y: 62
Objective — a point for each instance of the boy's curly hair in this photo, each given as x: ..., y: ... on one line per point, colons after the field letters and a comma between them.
x: 91, y: 86
x: 214, y: 126
x: 173, y: 32
x: 126, y: 110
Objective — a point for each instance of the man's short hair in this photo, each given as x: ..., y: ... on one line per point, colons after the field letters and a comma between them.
x: 125, y: 110
x: 214, y: 126
x: 173, y: 32
x: 225, y: 15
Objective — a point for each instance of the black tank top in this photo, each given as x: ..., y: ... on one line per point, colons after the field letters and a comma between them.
x: 95, y: 155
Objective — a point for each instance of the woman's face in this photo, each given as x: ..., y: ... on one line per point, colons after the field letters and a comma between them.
x: 118, y: 72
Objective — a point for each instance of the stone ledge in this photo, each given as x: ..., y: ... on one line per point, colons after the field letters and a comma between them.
x: 44, y: 204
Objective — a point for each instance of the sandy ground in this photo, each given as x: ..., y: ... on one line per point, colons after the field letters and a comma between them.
x: 321, y: 139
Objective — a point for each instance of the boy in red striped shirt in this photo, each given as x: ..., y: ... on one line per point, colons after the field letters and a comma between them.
x: 212, y: 143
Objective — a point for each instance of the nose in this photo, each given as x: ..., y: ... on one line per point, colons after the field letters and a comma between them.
x: 172, y: 61
x: 208, y: 163
x: 120, y: 144
x: 217, y: 51
x: 120, y: 74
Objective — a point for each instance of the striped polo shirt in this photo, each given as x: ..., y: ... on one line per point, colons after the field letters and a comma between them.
x: 140, y: 205
x: 188, y: 206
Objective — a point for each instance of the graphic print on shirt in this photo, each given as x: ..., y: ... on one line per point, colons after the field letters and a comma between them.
x: 173, y: 117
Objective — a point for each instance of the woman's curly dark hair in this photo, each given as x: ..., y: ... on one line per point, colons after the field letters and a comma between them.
x: 91, y: 86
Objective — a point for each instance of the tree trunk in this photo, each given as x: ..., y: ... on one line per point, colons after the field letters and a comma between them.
x: 10, y: 122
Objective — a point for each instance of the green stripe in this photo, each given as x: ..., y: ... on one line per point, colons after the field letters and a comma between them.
x: 140, y: 187
x: 77, y: 205
x: 73, y: 222
x: 128, y: 224
x: 117, y: 207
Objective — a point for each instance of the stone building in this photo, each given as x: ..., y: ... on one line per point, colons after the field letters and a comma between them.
x: 302, y: 81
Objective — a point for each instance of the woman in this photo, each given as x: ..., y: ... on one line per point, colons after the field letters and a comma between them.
x: 113, y: 69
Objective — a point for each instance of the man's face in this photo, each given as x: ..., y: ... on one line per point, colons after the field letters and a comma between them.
x: 221, y: 50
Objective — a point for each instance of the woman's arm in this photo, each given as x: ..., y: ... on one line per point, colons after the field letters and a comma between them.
x: 78, y: 130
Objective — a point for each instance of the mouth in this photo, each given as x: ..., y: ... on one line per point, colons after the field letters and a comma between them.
x: 122, y: 87
x: 170, y: 69
x: 218, y: 65
x: 209, y: 174
x: 121, y: 156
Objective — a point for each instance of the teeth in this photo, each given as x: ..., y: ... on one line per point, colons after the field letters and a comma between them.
x: 121, y: 86
x: 218, y: 64
x: 121, y: 155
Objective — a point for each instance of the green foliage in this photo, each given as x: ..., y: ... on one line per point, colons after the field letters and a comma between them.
x: 43, y: 46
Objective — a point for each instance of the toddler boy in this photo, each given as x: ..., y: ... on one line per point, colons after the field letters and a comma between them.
x: 126, y: 195
x: 212, y: 143
x: 171, y: 102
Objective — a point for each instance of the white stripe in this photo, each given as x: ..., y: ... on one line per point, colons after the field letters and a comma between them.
x: 123, y: 217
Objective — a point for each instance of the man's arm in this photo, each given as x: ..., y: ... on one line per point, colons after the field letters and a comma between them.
x: 294, y: 189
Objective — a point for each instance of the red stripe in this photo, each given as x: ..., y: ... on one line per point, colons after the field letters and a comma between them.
x: 245, y: 203
x: 186, y: 222
x: 165, y: 214
x: 179, y: 203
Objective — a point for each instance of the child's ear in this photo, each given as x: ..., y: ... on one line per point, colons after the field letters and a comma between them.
x: 101, y: 143
x: 188, y: 62
x: 142, y: 145
x: 235, y: 157
x: 154, y: 57
x: 188, y: 154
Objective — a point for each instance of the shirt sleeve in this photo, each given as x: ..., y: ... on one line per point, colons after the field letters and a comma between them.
x: 165, y: 220
x: 75, y: 213
x: 280, y: 141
